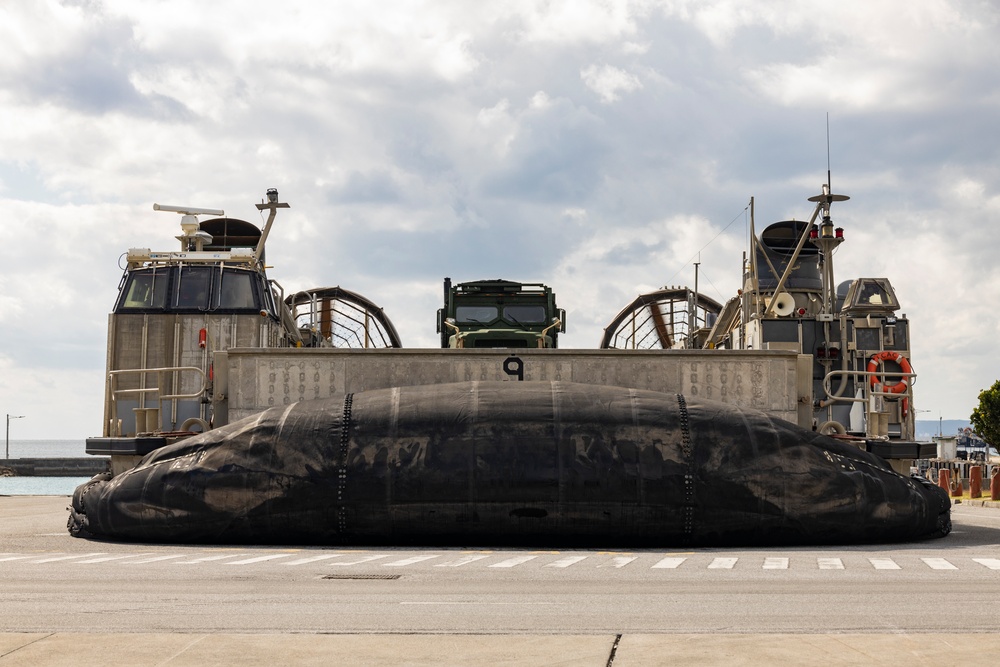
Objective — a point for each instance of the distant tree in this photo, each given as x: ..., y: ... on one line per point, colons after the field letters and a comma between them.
x: 986, y: 417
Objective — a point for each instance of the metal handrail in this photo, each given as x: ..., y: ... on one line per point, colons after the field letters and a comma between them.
x: 866, y: 374
x: 148, y: 390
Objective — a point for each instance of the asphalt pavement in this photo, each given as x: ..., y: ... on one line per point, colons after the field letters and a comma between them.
x: 72, y: 601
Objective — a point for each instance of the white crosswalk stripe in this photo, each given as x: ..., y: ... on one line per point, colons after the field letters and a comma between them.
x: 157, y: 559
x: 722, y: 563
x: 773, y: 563
x: 884, y: 564
x: 669, y: 563
x: 358, y: 561
x: 105, y: 559
x: 566, y: 562
x: 514, y: 562
x: 60, y: 558
x: 830, y: 563
x: 464, y: 560
x: 258, y: 559
x: 619, y: 561
x: 938, y: 564
x: 409, y: 561
x: 992, y: 563
x: 6, y: 558
x: 208, y: 559
x: 312, y: 559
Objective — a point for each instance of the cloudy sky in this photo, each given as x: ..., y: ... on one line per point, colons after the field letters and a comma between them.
x: 596, y: 146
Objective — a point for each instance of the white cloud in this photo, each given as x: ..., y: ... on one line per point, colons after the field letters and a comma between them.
x: 853, y: 54
x: 540, y: 100
x: 608, y: 81
x: 636, y: 48
x: 573, y: 21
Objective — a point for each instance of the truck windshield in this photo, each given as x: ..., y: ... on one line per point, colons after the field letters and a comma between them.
x: 524, y: 314
x: 475, y: 314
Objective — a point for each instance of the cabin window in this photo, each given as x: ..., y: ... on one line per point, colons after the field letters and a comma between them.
x: 475, y: 314
x: 146, y: 290
x: 873, y: 293
x: 192, y: 288
x: 524, y: 314
x: 236, y: 291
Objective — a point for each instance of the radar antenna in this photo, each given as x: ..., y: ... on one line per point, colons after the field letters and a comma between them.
x: 192, y: 239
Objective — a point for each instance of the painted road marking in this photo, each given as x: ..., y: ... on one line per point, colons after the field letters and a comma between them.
x: 513, y: 562
x: 105, y: 559
x: 312, y: 559
x: 722, y: 563
x: 566, y: 562
x: 938, y: 564
x: 155, y: 560
x: 363, y: 559
x: 464, y: 560
x: 409, y: 561
x: 258, y: 559
x: 58, y: 558
x: 206, y: 559
x: 402, y: 560
x: 884, y: 564
x: 775, y: 564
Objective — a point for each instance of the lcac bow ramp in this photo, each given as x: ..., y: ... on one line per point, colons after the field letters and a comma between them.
x: 492, y: 463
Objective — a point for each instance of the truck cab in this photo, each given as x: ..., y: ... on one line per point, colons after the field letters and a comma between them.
x: 499, y: 314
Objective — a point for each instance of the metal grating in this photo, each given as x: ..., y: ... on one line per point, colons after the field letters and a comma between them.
x: 362, y: 576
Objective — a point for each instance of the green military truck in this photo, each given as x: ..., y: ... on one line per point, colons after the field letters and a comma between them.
x: 499, y: 313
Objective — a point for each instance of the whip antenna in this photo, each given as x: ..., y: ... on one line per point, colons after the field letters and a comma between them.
x: 829, y: 185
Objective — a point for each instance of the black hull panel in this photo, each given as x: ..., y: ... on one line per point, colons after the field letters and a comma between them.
x: 526, y: 463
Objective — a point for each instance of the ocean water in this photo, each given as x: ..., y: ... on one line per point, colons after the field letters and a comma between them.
x: 40, y: 486
x: 44, y: 449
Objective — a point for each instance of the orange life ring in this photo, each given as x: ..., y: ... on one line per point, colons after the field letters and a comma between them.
x: 878, y: 358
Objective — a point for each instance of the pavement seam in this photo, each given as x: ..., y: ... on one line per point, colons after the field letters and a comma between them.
x: 181, y: 651
x: 614, y: 650
x: 27, y: 645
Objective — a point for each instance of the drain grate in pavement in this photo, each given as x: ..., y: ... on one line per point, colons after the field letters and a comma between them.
x: 388, y: 577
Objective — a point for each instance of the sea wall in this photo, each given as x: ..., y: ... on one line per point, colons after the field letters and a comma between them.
x: 84, y: 466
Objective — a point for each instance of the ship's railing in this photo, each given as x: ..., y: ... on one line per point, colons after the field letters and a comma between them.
x: 867, y: 374
x: 146, y: 419
x: 878, y: 391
